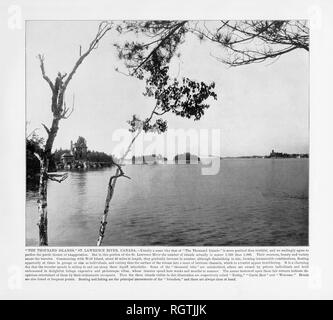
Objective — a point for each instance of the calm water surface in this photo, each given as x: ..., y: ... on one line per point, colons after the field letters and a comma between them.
x: 250, y: 202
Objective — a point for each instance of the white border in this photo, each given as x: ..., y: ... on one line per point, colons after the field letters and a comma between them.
x: 12, y: 117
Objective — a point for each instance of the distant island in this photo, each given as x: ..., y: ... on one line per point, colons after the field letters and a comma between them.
x: 79, y: 157
x: 186, y: 158
x: 149, y: 159
x: 273, y: 155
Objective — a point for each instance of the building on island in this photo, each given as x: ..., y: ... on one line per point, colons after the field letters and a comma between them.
x: 79, y: 149
x: 67, y: 159
x: 79, y: 157
x: 78, y: 152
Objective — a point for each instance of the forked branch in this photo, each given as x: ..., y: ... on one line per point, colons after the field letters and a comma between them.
x: 66, y: 113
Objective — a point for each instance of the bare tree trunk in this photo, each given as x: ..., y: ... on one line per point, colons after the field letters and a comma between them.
x: 59, y: 111
x: 111, y: 186
x: 42, y: 204
x: 109, y: 195
x: 119, y: 173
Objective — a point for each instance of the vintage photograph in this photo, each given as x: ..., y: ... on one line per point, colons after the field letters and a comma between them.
x: 167, y: 133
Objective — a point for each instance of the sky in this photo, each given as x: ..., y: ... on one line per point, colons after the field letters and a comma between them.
x: 260, y: 107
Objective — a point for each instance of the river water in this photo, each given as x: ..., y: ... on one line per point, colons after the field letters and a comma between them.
x: 250, y: 202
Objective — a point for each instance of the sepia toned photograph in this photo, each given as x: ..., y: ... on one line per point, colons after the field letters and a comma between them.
x: 167, y: 133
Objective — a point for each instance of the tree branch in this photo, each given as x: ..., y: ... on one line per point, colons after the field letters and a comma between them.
x: 42, y: 68
x: 38, y: 157
x: 103, y: 28
x: 66, y: 113
x: 162, y: 40
x: 46, y: 129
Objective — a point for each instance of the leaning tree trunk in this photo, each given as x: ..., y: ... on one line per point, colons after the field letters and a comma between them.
x: 112, y: 183
x: 109, y: 195
x: 119, y: 173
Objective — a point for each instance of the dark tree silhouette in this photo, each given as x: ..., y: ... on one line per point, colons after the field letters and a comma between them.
x: 80, y: 148
x: 81, y: 142
x: 34, y: 144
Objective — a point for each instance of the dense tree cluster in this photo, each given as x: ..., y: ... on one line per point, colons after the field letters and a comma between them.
x: 96, y: 156
x: 34, y: 145
x: 93, y: 156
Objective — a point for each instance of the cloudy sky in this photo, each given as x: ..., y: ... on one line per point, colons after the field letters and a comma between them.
x: 260, y: 107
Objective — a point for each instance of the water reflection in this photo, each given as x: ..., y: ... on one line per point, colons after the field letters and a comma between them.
x: 79, y: 182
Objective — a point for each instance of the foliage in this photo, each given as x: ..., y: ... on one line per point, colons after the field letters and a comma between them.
x: 81, y: 143
x: 184, y: 98
x: 169, y: 34
x: 242, y: 41
x: 80, y: 148
x: 253, y: 41
x: 58, y: 153
x: 136, y: 124
x: 95, y: 156
x: 34, y: 145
